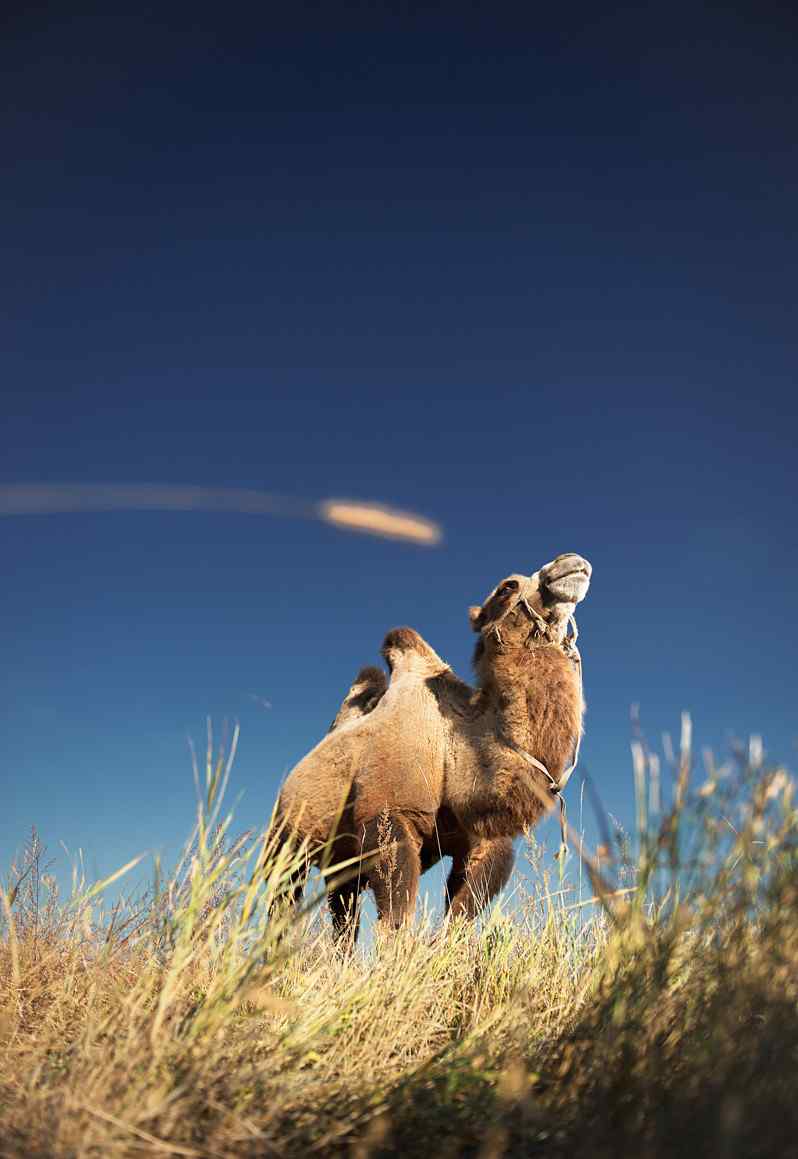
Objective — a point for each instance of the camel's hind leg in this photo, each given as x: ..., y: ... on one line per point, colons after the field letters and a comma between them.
x: 289, y: 892
x: 288, y: 872
x: 344, y: 903
x: 394, y: 868
x: 477, y: 875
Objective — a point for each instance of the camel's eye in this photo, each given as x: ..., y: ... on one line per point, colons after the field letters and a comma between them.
x: 508, y: 587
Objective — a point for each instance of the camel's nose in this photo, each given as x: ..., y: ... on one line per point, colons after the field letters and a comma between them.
x: 566, y: 564
x: 567, y: 578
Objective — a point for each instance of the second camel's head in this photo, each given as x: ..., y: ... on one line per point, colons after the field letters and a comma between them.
x: 538, y: 607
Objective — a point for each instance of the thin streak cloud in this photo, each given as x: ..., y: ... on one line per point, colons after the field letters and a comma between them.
x: 346, y: 514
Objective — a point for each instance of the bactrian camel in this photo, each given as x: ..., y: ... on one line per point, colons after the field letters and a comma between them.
x: 429, y: 767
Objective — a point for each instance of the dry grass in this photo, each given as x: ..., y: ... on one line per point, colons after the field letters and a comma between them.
x: 663, y: 1021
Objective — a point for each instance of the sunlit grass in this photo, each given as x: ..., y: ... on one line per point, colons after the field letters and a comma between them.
x: 661, y: 1019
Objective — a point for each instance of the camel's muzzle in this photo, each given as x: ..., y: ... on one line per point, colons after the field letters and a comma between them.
x: 565, y: 580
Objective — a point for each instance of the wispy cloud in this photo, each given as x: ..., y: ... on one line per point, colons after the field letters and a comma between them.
x: 369, y: 518
x: 375, y: 519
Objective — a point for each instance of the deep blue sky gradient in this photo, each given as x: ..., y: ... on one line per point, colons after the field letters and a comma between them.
x: 532, y: 276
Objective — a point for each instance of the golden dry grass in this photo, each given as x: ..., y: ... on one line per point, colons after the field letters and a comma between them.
x: 663, y: 1021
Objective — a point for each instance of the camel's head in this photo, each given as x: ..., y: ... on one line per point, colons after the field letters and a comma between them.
x: 524, y: 608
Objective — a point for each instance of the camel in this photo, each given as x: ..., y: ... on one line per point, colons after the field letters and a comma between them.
x: 429, y: 767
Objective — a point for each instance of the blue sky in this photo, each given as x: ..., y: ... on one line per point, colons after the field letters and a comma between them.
x: 533, y: 279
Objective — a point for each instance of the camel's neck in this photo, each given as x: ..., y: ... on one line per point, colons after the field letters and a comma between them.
x: 530, y: 702
x: 513, y: 693
x: 536, y: 700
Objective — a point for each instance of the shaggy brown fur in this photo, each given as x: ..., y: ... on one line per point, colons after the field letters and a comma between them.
x: 431, y: 767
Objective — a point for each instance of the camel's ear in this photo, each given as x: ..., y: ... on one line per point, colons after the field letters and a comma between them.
x: 475, y: 617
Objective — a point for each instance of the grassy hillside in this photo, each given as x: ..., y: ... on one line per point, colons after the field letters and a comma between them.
x: 661, y: 1019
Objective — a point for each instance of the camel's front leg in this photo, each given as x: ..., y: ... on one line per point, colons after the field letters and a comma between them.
x: 394, y: 867
x: 477, y: 875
